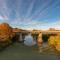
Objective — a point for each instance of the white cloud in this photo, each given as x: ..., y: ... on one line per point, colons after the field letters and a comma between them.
x: 3, y: 19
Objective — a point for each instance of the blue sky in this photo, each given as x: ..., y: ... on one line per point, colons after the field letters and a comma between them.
x: 31, y: 14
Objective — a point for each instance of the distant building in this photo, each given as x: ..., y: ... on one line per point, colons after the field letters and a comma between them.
x: 51, y: 29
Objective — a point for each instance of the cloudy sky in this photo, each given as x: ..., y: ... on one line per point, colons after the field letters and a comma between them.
x: 31, y: 14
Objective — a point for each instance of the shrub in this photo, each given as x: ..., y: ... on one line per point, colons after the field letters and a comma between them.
x: 54, y: 41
